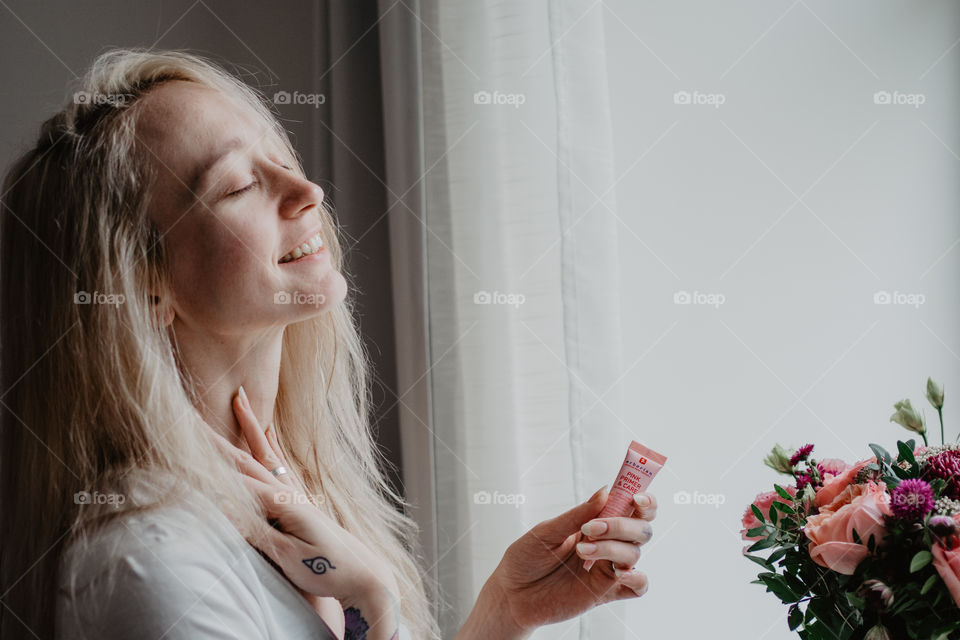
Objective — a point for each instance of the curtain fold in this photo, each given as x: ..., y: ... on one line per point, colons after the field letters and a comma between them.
x: 519, y: 274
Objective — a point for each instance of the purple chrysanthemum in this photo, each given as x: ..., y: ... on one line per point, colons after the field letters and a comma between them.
x: 946, y: 465
x: 803, y: 479
x: 801, y: 454
x: 911, y: 499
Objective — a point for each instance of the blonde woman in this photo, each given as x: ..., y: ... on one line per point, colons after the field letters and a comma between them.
x: 170, y: 282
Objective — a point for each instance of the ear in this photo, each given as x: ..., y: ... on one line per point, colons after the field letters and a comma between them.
x: 163, y: 310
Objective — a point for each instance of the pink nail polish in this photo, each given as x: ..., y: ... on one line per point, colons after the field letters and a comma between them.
x: 243, y: 397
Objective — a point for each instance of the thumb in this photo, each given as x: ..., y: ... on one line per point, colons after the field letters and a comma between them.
x: 558, y: 529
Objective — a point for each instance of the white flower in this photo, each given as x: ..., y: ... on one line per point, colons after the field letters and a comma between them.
x: 908, y: 417
x: 935, y: 393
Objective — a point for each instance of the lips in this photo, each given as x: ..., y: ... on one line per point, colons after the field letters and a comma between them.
x: 308, y: 245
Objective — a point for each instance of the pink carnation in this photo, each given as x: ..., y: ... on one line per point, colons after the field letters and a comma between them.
x: 763, y: 502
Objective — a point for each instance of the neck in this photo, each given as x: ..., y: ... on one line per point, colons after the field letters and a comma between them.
x: 219, y: 364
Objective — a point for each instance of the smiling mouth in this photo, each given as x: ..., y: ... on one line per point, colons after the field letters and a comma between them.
x: 311, y: 246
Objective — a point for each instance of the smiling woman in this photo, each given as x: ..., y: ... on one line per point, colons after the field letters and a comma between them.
x: 169, y: 187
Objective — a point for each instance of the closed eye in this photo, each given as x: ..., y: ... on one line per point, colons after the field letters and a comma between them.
x: 243, y: 190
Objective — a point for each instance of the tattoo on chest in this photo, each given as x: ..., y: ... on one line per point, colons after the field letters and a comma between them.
x: 319, y: 564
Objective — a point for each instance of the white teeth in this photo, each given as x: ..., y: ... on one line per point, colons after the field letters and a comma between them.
x: 311, y: 246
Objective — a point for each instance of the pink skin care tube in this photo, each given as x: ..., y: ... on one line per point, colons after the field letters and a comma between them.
x: 639, y: 468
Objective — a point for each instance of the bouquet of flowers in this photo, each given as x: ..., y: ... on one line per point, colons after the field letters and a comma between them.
x: 869, y: 550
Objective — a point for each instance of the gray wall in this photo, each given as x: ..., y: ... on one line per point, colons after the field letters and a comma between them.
x: 288, y: 45
x: 798, y: 352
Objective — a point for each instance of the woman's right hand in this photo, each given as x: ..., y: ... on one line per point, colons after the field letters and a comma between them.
x: 315, y: 552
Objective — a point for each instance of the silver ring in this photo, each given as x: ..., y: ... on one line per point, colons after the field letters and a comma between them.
x: 279, y: 471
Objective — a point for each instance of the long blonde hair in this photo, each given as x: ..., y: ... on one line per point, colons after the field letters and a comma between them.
x: 95, y: 392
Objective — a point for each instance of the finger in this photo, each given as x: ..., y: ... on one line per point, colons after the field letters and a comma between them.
x: 624, y: 554
x: 619, y: 528
x: 645, y: 506
x: 635, y: 580
x: 255, y: 469
x: 250, y: 427
x: 558, y: 529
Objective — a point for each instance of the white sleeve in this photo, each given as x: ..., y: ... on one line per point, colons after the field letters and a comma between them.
x: 176, y: 595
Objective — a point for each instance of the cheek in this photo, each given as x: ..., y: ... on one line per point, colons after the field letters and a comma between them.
x: 214, y: 281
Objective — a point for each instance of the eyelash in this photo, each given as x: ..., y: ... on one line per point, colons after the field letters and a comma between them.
x: 251, y: 185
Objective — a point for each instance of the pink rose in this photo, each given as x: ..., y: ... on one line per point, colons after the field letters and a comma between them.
x: 831, y: 488
x: 859, y: 506
x: 831, y: 468
x: 947, y: 564
x: 763, y: 502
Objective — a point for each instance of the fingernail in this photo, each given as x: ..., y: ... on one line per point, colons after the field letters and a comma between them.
x: 594, y: 528
x: 642, y: 500
x: 243, y: 397
x: 586, y: 548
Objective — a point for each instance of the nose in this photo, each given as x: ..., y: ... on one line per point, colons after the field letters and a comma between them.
x: 299, y: 196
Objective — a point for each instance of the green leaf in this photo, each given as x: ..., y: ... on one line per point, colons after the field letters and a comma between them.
x: 757, y: 531
x: 773, y: 514
x: 932, y: 580
x: 782, y: 492
x: 906, y: 452
x: 920, y: 560
x: 757, y: 512
x: 881, y: 453
x: 760, y: 561
x: 794, y: 617
x: 779, y: 506
x: 762, y: 544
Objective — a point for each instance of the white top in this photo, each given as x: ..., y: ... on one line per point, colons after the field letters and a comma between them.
x: 181, y: 576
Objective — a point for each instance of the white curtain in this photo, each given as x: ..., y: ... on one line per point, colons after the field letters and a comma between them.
x: 500, y: 171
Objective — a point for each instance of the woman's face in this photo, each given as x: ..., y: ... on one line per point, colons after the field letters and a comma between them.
x: 230, y: 207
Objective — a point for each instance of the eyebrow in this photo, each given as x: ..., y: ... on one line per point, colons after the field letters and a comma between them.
x: 199, y: 176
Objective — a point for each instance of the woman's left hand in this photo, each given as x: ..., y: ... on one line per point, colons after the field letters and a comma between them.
x: 266, y: 450
x: 541, y: 579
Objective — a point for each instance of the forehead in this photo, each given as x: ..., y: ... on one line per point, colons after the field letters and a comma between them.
x: 180, y: 116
